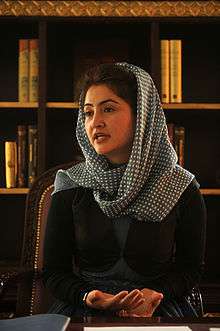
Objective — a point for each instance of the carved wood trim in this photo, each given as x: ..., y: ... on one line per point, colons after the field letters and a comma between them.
x: 110, y: 8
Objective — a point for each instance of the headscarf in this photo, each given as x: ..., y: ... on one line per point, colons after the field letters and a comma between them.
x: 150, y: 184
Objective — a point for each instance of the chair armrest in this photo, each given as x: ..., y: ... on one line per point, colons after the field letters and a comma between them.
x: 7, y: 278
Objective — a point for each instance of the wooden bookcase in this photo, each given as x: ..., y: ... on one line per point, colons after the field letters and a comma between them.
x: 128, y: 31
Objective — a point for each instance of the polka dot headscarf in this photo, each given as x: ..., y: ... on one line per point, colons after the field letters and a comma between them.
x: 150, y: 184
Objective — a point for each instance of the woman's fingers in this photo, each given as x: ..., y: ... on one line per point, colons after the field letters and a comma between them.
x: 125, y: 300
x: 132, y: 298
x: 142, y: 307
x: 113, y: 302
x: 117, y: 298
x: 137, y: 303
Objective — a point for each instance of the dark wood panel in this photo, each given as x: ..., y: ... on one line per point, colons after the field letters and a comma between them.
x: 12, y: 225
x: 10, y: 33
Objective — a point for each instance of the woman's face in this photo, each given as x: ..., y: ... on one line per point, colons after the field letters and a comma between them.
x: 109, y: 123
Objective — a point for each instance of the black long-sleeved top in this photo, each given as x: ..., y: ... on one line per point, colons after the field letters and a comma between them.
x: 77, y: 230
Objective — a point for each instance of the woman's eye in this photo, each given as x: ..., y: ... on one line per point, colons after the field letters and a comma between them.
x: 108, y: 110
x: 88, y: 113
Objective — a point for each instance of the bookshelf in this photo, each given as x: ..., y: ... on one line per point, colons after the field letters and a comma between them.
x: 127, y: 31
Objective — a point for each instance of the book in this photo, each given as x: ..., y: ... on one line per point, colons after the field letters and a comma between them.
x: 21, y: 154
x: 33, y: 70
x: 177, y: 138
x: 23, y: 71
x: 165, y: 70
x: 44, y: 322
x: 175, y: 71
x: 180, y: 144
x: 170, y: 128
x: 32, y: 154
x: 10, y: 163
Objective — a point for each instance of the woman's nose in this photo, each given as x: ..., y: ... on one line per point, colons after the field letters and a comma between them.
x: 97, y: 120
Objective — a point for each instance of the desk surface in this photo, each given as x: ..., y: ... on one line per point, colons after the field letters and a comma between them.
x: 201, y: 324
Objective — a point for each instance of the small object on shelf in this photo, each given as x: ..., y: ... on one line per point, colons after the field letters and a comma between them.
x: 165, y: 70
x: 23, y: 71
x: 11, y: 163
x: 32, y: 154
x: 22, y: 158
x: 33, y: 70
x: 175, y: 71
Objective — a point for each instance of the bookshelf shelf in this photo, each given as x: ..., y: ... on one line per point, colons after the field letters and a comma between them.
x: 191, y: 106
x: 5, y: 104
x: 74, y: 105
x: 14, y: 190
x: 66, y: 105
x: 26, y: 190
x: 207, y: 191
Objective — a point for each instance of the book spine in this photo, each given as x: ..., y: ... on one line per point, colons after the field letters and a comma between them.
x: 175, y: 71
x: 33, y: 70
x: 165, y: 70
x: 180, y: 144
x: 10, y: 163
x: 23, y: 68
x: 170, y: 128
x: 32, y: 154
x: 21, y: 132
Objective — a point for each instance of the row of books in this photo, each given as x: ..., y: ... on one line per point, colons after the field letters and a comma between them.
x: 177, y: 138
x: 171, y: 70
x: 28, y: 70
x: 21, y: 158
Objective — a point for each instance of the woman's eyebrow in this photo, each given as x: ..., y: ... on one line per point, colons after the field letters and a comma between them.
x: 100, y: 103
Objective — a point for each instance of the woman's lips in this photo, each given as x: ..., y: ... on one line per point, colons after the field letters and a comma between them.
x: 100, y: 137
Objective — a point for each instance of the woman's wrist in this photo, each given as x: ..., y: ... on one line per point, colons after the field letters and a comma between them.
x: 84, y: 299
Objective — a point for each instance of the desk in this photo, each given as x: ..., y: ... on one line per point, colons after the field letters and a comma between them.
x: 200, y: 324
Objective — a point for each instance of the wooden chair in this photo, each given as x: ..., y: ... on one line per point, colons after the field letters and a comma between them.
x: 32, y: 296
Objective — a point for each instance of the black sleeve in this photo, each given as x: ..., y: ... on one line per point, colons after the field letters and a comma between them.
x: 58, y: 272
x: 190, y: 246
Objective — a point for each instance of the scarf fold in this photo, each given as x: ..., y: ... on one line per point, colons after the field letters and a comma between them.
x: 151, y: 183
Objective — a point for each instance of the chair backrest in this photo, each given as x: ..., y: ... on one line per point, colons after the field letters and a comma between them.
x: 33, y: 298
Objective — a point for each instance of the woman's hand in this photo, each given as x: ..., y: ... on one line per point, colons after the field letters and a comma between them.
x: 123, y: 300
x: 151, y: 302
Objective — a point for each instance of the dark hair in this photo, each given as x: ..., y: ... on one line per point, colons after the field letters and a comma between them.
x: 120, y: 81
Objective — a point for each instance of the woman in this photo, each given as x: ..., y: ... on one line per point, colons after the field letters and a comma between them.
x: 132, y: 219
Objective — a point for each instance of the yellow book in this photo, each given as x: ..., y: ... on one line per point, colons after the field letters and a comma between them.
x: 11, y: 163
x: 33, y: 70
x: 175, y: 71
x: 23, y: 71
x: 165, y: 70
